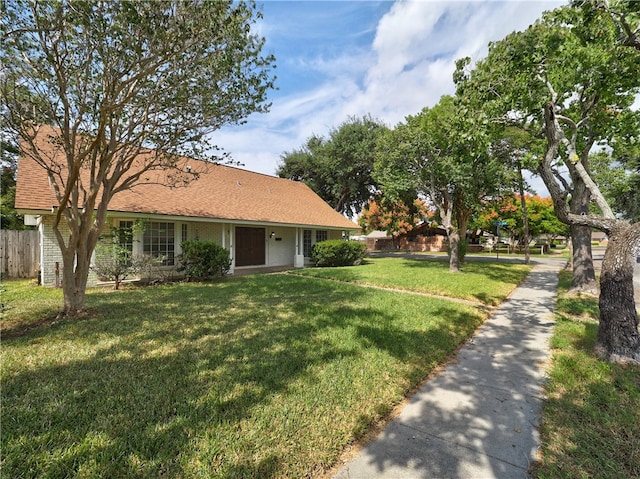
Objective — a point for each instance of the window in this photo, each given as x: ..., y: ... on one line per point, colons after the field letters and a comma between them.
x: 307, y: 240
x: 321, y: 235
x: 159, y: 242
x: 184, y: 233
x: 125, y: 235
x: 306, y: 243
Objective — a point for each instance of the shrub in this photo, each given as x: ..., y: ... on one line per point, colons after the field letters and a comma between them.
x: 203, y: 260
x: 114, y: 261
x: 338, y: 253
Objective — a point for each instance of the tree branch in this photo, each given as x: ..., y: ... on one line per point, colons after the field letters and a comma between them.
x: 555, y: 136
x: 628, y: 35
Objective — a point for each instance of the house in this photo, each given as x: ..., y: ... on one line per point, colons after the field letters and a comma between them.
x: 599, y: 238
x: 263, y: 221
x: 379, y: 240
x: 424, y: 237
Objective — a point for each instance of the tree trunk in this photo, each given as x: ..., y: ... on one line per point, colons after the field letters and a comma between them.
x: 584, y: 275
x: 76, y: 256
x: 463, y: 222
x: 447, y: 210
x: 74, y: 284
x: 454, y: 245
x: 618, y: 336
x: 525, y: 217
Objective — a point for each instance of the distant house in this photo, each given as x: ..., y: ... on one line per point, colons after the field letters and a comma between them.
x: 263, y: 221
x: 379, y: 240
x: 424, y: 238
x: 599, y: 238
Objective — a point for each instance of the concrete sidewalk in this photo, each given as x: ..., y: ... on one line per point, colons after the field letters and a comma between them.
x: 478, y: 418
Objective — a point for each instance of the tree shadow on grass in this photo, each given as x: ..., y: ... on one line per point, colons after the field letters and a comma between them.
x: 129, y: 411
x: 434, y: 343
x: 591, y: 411
x: 473, y: 279
x: 497, y: 270
x: 347, y: 274
x: 139, y: 406
x: 172, y: 381
x: 478, y: 416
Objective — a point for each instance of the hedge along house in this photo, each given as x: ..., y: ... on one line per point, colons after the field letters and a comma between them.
x: 263, y: 221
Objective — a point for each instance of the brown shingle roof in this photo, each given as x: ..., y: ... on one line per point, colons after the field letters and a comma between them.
x: 220, y: 192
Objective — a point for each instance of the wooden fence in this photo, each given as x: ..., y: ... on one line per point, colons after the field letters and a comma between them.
x: 19, y: 254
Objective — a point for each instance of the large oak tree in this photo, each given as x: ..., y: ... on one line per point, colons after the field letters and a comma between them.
x: 113, y: 78
x: 570, y: 78
x: 442, y: 154
x: 338, y: 168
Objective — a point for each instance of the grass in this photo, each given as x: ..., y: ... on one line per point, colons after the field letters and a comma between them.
x: 591, y: 420
x: 25, y: 306
x: 251, y: 377
x: 487, y: 282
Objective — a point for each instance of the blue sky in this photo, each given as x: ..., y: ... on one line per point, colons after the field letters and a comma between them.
x: 338, y: 59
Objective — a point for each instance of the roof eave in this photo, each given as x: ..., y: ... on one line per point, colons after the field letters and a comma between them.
x: 128, y: 214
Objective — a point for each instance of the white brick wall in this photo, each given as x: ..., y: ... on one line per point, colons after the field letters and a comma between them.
x: 278, y: 252
x: 51, y: 254
x: 205, y: 232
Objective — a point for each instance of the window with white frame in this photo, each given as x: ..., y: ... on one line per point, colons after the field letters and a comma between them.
x: 321, y: 235
x: 125, y: 235
x: 183, y: 236
x: 159, y: 241
x: 306, y: 243
x: 308, y: 240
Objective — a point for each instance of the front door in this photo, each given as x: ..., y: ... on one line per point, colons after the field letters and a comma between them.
x: 250, y: 246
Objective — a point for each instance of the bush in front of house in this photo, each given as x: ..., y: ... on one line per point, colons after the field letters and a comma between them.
x: 338, y: 253
x: 203, y: 260
x: 115, y: 263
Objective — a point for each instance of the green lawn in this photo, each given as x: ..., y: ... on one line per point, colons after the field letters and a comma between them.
x: 258, y: 376
x: 591, y: 420
x: 484, y: 281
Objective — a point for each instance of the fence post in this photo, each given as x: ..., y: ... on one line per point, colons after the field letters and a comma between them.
x: 4, y: 253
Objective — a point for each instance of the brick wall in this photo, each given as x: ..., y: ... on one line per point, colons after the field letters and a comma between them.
x: 423, y: 243
x: 379, y: 244
x: 51, y: 255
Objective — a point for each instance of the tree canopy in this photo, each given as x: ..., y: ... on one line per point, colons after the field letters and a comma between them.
x: 569, y: 77
x: 113, y: 78
x: 442, y: 154
x: 542, y: 219
x: 394, y: 217
x: 338, y: 168
x: 618, y: 176
x: 574, y: 62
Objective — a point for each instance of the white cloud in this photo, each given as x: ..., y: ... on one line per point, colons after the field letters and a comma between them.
x: 408, y: 66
